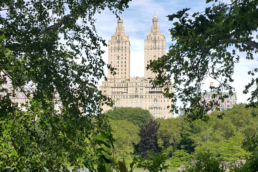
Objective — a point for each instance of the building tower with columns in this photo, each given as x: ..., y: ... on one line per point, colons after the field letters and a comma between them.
x: 154, y: 46
x: 119, y: 52
x: 135, y: 92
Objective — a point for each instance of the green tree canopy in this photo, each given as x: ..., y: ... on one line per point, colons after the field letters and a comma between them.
x: 205, y: 46
x: 51, y: 48
x: 137, y: 116
x: 174, y: 134
x: 233, y: 148
x: 126, y: 135
x: 169, y: 134
x: 149, y: 140
x: 181, y: 157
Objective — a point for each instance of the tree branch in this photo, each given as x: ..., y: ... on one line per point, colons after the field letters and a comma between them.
x: 55, y: 25
x: 252, y: 44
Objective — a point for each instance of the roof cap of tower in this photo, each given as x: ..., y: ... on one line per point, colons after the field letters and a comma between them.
x: 155, y: 18
x: 120, y: 20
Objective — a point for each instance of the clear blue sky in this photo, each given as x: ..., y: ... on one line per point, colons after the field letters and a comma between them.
x: 137, y: 23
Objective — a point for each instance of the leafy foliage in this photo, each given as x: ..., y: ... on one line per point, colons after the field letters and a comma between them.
x: 222, y: 138
x: 231, y: 138
x: 205, y: 46
x: 148, y: 135
x: 45, y: 53
x: 126, y: 135
x: 173, y: 134
x: 233, y: 148
x: 156, y: 162
x: 206, y: 163
x: 181, y: 157
x: 250, y: 165
x: 137, y: 116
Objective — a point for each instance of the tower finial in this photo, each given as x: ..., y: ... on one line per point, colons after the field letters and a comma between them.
x: 120, y: 16
x: 155, y: 14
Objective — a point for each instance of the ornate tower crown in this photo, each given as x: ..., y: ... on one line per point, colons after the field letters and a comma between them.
x: 155, y: 21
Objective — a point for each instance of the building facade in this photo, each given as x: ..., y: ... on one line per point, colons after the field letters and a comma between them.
x: 227, y: 104
x: 135, y: 92
x: 19, y: 97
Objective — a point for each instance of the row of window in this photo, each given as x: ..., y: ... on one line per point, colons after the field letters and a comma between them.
x: 118, y: 51
x: 122, y: 43
x: 161, y: 117
x: 121, y: 73
x: 153, y: 37
x: 118, y: 62
x: 157, y: 42
x: 155, y: 46
x: 136, y: 96
x: 121, y: 69
x: 117, y: 58
x: 118, y: 65
x: 118, y: 54
x: 147, y: 102
x: 122, y: 77
x: 210, y: 97
x: 154, y: 53
x: 116, y: 47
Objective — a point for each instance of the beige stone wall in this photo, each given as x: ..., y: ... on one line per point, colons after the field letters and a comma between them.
x: 137, y: 92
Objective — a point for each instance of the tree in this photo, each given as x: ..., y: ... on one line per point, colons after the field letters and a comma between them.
x: 206, y: 138
x: 155, y: 163
x: 174, y: 134
x: 149, y: 140
x: 233, y: 148
x: 169, y: 134
x: 181, y: 157
x: 205, y: 46
x: 45, y: 52
x: 126, y: 135
x: 185, y: 131
x: 137, y: 116
x: 206, y: 163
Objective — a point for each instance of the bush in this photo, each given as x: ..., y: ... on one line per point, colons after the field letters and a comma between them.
x: 251, y: 164
x: 206, y: 163
x: 181, y: 157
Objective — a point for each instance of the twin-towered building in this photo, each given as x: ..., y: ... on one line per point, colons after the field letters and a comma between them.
x: 135, y: 92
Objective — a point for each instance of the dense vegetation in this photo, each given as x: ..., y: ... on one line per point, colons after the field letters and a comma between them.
x: 44, y: 52
x: 184, y: 141
x: 137, y: 116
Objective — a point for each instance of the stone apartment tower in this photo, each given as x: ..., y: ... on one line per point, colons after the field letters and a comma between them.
x: 119, y: 52
x: 154, y: 46
x: 135, y: 92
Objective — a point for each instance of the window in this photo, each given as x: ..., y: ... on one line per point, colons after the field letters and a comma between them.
x: 228, y: 101
x: 228, y: 105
